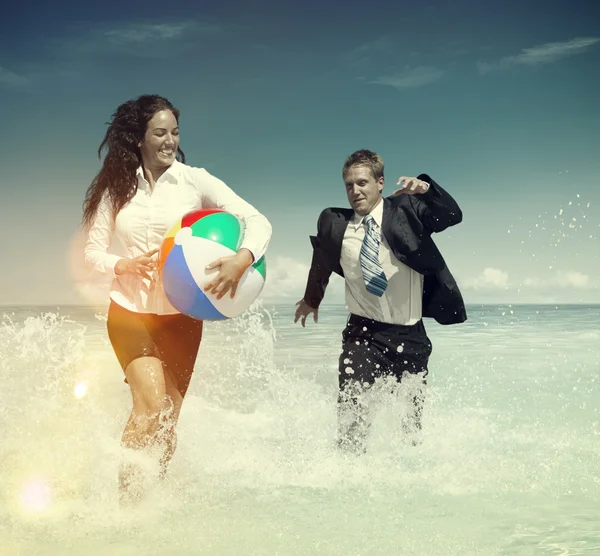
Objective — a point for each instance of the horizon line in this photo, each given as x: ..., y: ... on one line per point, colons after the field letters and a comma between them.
x: 492, y: 303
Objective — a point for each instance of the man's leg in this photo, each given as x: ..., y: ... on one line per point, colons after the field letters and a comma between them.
x: 353, y: 417
x: 412, y: 391
x: 369, y: 350
x: 411, y: 349
x: 360, y: 363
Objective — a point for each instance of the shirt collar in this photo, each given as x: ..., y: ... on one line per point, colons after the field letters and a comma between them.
x: 171, y: 174
x: 376, y: 213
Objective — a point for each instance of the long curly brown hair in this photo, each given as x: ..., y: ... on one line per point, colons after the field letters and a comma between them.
x: 123, y: 156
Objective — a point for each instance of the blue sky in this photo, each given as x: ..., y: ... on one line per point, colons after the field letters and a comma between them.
x: 498, y: 102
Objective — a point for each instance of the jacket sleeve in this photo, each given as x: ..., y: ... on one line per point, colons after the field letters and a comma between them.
x: 436, y: 209
x: 320, y: 272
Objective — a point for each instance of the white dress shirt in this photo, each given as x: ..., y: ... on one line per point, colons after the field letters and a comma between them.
x: 401, y: 303
x: 141, y: 224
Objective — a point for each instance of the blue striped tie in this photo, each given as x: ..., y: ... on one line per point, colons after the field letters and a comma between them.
x: 375, y: 279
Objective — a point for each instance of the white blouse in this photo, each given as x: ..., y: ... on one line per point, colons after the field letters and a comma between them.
x: 141, y: 224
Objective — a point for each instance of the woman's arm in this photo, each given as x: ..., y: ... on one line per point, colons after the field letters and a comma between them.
x: 100, y: 233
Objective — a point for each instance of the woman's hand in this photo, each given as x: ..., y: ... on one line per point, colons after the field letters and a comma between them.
x: 231, y: 270
x: 143, y: 265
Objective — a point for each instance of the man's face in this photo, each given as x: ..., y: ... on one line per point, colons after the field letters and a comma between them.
x: 363, y: 190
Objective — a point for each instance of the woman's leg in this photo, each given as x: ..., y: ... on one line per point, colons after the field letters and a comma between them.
x: 157, y: 353
x: 169, y: 424
x: 147, y: 382
x: 145, y: 376
x: 178, y: 342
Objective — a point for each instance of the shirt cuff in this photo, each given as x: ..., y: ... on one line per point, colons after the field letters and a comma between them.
x: 256, y: 253
x: 111, y: 262
x: 432, y: 191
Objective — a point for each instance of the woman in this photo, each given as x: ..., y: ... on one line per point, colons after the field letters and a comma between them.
x: 143, y: 187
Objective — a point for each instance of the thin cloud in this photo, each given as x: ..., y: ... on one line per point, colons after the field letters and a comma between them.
x: 142, y: 39
x: 144, y: 32
x: 383, y: 45
x: 286, y: 281
x: 379, y: 58
x: 490, y: 278
x: 411, y: 78
x: 9, y: 78
x: 563, y: 279
x: 496, y: 279
x: 576, y: 280
x: 542, y: 54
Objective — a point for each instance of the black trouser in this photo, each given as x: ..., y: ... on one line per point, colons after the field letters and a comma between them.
x: 371, y: 350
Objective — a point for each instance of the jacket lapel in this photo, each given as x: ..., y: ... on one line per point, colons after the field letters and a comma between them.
x: 395, y: 230
x: 338, y: 229
x: 386, y: 221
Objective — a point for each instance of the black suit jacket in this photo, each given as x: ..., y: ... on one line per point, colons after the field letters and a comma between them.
x: 407, y: 225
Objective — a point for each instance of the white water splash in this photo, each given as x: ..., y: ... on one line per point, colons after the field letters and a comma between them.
x: 256, y: 461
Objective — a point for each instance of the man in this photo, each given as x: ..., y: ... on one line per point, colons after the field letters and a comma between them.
x: 394, y: 275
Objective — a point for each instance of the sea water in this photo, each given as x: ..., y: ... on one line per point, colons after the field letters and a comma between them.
x: 509, y: 461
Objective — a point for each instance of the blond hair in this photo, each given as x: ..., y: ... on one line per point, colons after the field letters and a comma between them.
x: 367, y: 158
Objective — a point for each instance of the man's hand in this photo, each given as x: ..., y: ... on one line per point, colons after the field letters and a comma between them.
x: 411, y: 186
x: 142, y: 265
x: 231, y: 270
x: 303, y: 311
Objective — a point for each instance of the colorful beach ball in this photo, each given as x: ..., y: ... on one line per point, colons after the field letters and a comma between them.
x: 198, y: 239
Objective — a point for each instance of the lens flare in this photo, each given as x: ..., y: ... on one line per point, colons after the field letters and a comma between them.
x: 35, y: 496
x: 80, y: 390
x: 92, y: 287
